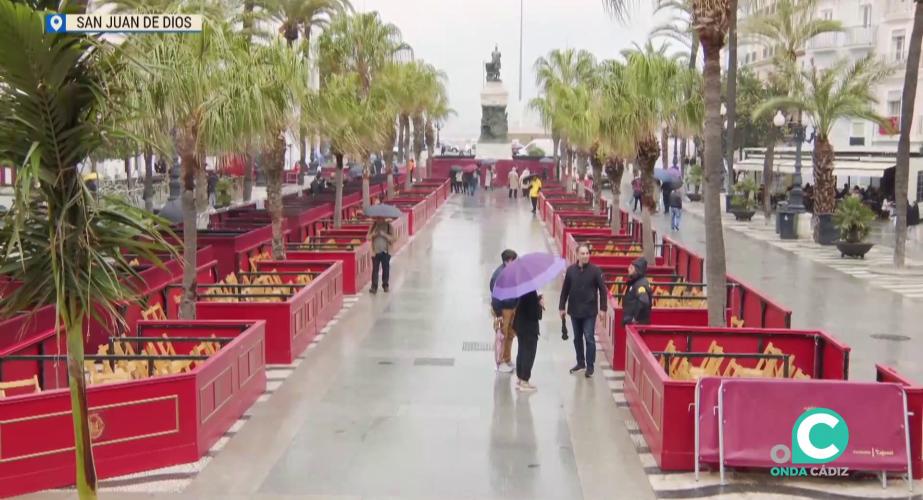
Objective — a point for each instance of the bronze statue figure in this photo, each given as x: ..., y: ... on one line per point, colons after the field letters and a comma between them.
x: 493, y: 67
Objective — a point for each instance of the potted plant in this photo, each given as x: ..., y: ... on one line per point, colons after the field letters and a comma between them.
x: 694, y: 180
x: 853, y: 219
x: 743, y: 201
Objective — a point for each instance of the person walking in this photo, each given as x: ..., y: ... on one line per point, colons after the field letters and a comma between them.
x: 534, y: 191
x: 676, y: 208
x: 513, y: 179
x: 636, y: 191
x: 489, y: 178
x: 583, y: 289
x: 527, y: 316
x: 458, y: 181
x: 211, y: 188
x: 524, y: 181
x: 503, y: 315
x: 638, y: 298
x: 475, y: 180
x: 381, y: 234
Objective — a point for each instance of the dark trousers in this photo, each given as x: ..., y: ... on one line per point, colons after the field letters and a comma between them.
x: 514, y: 193
x: 383, y: 260
x: 525, y: 192
x: 585, y: 334
x: 534, y: 203
x: 637, y: 202
x: 525, y: 356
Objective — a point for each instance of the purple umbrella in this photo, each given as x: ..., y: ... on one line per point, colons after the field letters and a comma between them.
x: 527, y: 274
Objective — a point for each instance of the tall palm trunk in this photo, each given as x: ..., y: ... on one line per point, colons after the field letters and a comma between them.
x: 565, y: 170
x: 72, y: 316
x: 731, y: 90
x: 388, y: 157
x: 127, y: 166
x: 581, y: 174
x: 902, y: 172
x: 715, y: 263
x: 430, y: 138
x: 201, y: 192
x: 767, y: 179
x: 366, y: 187
x: 614, y: 170
x: 665, y: 147
x: 338, y: 201
x: 555, y: 144
x: 825, y: 186
x: 248, y: 176
x: 418, y: 136
x: 190, y: 165
x: 597, y: 164
x: 148, y: 179
x: 648, y: 151
x: 275, y: 164
x: 403, y: 132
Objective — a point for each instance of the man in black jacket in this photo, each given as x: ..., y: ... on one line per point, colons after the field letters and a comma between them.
x: 583, y: 289
x: 637, y: 301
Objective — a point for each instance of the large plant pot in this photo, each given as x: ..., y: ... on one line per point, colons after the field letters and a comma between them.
x: 825, y: 231
x: 856, y: 250
x: 694, y: 196
x: 743, y: 215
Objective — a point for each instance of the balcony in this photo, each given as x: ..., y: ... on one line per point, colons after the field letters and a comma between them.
x: 824, y: 42
x: 859, y: 36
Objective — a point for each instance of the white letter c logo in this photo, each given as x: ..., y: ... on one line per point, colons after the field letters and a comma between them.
x: 804, y: 436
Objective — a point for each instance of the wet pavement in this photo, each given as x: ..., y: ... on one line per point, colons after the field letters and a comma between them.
x: 400, y: 399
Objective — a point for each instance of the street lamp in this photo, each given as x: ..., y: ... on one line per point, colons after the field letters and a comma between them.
x: 798, y: 133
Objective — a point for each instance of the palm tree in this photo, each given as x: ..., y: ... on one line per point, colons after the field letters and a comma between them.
x: 298, y: 18
x: 902, y: 172
x: 844, y: 91
x: 711, y: 21
x: 67, y: 247
x: 277, y: 87
x: 362, y: 45
x: 560, y: 68
x: 349, y: 120
x: 206, y: 103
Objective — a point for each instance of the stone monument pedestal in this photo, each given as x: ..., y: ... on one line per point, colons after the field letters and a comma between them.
x: 494, y: 142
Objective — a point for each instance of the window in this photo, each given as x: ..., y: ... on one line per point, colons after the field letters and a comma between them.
x: 866, y: 15
x: 826, y: 14
x: 897, y: 45
x: 920, y: 186
x: 857, y: 134
x: 894, y: 103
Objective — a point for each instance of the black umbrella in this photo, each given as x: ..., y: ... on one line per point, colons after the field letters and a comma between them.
x: 455, y: 168
x: 563, y: 328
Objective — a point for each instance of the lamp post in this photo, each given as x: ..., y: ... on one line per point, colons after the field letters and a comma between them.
x: 798, y: 133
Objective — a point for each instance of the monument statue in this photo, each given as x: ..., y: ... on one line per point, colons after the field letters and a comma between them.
x: 494, y: 119
x: 493, y: 67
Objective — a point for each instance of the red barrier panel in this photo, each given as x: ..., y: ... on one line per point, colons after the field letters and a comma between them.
x: 234, y: 248
x: 441, y: 166
x: 357, y: 263
x: 591, y: 236
x: 664, y: 407
x: 415, y: 210
x: 290, y: 325
x: 613, y: 338
x: 914, y: 394
x: 326, y: 289
x: 877, y: 439
x: 688, y: 264
x: 135, y: 425
x: 754, y: 308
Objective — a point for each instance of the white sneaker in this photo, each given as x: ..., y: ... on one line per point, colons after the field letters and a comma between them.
x: 505, y: 368
x: 525, y: 387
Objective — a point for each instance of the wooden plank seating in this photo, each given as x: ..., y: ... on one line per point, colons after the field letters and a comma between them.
x: 29, y: 383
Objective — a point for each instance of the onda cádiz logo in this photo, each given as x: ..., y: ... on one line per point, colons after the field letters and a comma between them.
x: 819, y: 436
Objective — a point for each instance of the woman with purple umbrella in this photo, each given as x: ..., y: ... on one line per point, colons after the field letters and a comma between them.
x: 522, y: 278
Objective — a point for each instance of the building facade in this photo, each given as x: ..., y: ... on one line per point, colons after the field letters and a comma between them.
x: 881, y: 27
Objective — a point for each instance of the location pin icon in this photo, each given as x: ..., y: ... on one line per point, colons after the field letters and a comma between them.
x: 56, y: 22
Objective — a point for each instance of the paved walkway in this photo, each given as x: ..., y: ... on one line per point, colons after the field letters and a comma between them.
x: 876, y: 268
x: 399, y: 398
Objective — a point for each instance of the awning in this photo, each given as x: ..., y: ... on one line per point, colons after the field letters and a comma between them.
x: 840, y: 169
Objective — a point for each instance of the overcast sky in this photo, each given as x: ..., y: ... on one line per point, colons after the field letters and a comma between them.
x: 457, y: 36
